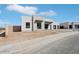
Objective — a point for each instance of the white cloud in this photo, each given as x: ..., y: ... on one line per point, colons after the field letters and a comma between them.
x: 30, y: 10
x: 48, y: 13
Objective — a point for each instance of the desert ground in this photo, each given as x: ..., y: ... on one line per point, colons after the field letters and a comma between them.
x: 31, y: 42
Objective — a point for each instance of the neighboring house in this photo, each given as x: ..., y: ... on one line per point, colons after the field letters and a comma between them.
x: 69, y: 25
x: 37, y: 23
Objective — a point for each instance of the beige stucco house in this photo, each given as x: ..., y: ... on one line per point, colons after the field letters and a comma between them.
x: 31, y: 23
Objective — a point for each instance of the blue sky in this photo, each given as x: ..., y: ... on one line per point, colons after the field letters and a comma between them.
x: 11, y: 14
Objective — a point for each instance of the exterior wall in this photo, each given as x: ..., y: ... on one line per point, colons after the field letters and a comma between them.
x: 24, y: 20
x: 66, y: 25
x: 35, y: 26
x: 29, y: 19
x: 36, y: 18
x: 52, y: 26
x: 55, y: 23
x: 9, y: 30
x: 49, y: 27
x: 42, y: 25
x: 35, y: 23
x: 76, y: 25
x: 16, y: 28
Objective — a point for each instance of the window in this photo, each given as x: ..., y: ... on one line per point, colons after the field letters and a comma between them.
x: 62, y: 27
x: 70, y: 27
x: 76, y: 26
x: 28, y: 25
x: 54, y: 26
x: 46, y: 26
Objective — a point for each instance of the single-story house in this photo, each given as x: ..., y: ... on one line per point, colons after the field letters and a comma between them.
x: 31, y: 23
x: 70, y: 25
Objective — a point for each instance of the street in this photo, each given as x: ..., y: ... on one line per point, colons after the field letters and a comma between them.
x: 67, y: 45
x: 62, y: 43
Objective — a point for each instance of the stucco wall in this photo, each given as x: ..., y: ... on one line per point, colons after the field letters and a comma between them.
x: 54, y: 23
x: 35, y: 23
x: 24, y: 20
x: 29, y: 19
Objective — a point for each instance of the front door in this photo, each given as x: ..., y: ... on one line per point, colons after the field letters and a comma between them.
x: 38, y: 25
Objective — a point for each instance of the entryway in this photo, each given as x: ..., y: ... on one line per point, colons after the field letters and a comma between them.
x: 38, y: 25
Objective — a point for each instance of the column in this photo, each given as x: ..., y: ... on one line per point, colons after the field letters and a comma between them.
x: 42, y: 24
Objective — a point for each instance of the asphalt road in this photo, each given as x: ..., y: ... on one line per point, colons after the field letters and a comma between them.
x: 67, y: 45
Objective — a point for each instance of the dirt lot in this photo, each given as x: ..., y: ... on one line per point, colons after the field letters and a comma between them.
x: 20, y: 40
x: 14, y: 37
x: 28, y: 35
x: 24, y: 45
x: 20, y: 36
